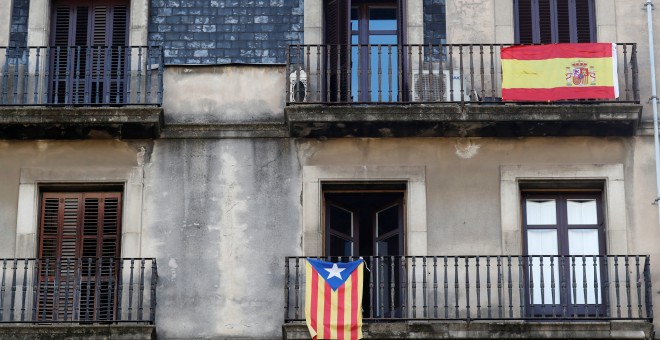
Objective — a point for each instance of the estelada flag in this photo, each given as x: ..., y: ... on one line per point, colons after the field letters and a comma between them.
x: 559, y: 72
x: 333, y: 299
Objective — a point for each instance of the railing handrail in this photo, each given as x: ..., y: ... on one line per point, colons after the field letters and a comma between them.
x: 413, y: 73
x: 493, y: 287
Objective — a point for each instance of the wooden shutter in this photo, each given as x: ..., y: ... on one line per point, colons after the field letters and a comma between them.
x: 584, y: 21
x: 337, y: 38
x: 524, y: 23
x: 88, y: 33
x: 79, y: 247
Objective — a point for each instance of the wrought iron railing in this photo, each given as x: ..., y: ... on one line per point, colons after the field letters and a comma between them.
x: 81, y: 75
x: 78, y: 290
x: 586, y: 287
x: 373, y: 74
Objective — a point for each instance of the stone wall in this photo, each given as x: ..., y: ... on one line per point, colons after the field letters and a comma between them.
x: 221, y: 32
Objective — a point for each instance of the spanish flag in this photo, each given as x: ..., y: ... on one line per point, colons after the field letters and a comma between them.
x: 559, y: 72
x: 333, y: 299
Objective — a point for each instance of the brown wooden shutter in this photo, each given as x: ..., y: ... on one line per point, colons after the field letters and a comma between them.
x: 79, y: 247
x: 544, y: 22
x: 337, y: 38
x: 563, y: 21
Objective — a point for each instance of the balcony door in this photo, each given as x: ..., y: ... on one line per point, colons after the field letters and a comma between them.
x: 88, y: 55
x: 369, y: 223
x: 364, y: 56
x: 559, y: 228
x: 78, y: 249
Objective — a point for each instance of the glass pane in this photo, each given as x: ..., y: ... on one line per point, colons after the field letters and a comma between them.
x: 387, y: 220
x: 541, y: 212
x: 585, y: 272
x: 340, y: 246
x: 582, y: 212
x: 382, y: 19
x: 354, y: 19
x: 544, y: 270
x: 389, y: 246
x: 355, y: 76
x: 384, y: 71
x: 341, y: 220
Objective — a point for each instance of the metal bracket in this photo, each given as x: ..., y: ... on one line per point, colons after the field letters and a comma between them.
x: 649, y: 3
x: 653, y: 98
x: 655, y: 201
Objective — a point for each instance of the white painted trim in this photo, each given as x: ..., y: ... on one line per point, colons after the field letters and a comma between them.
x: 27, y: 222
x: 615, y: 213
x: 414, y: 176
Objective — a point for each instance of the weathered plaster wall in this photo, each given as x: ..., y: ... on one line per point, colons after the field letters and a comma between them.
x: 17, y: 155
x: 220, y: 217
x: 223, y: 94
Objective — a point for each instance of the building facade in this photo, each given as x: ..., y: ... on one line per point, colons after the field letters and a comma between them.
x: 167, y: 165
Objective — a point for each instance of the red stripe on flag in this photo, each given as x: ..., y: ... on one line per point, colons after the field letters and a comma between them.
x: 327, y: 305
x: 558, y: 93
x: 341, y: 305
x: 355, y: 304
x: 542, y: 52
x: 315, y: 301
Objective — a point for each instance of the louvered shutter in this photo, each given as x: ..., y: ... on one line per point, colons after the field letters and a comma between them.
x: 584, y: 21
x: 545, y: 22
x: 524, y: 23
x: 85, y: 34
x: 79, y: 248
x: 337, y: 14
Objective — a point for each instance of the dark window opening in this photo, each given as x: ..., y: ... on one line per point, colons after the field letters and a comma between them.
x: 554, y: 21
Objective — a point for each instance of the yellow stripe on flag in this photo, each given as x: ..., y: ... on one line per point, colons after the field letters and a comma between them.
x: 308, y: 295
x: 552, y: 73
x: 321, y: 313
x: 347, y: 311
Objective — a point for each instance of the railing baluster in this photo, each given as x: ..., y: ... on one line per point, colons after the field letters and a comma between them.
x: 372, y: 298
x: 97, y: 289
x: 67, y: 74
x: 35, y: 291
x: 520, y: 287
x: 482, y: 72
x: 542, y: 282
x: 12, y: 305
x: 147, y: 60
x: 76, y: 91
x: 552, y: 285
x: 404, y: 291
x: 5, y: 78
x: 392, y: 285
x: 389, y: 73
x: 451, y: 72
x: 130, y: 290
x: 129, y: 76
x: 297, y: 289
x: 77, y: 290
x: 606, y: 287
x: 471, y: 88
x: 110, y: 304
x: 26, y: 74
x: 2, y: 288
x: 446, y: 286
x: 625, y: 70
x: 456, y: 284
x: 649, y: 289
x: 510, y: 286
x: 309, y: 73
x: 461, y: 72
x: 120, y: 287
x: 381, y: 286
x: 286, y: 270
x: 628, y: 299
x: 584, y: 285
x: 574, y: 286
x: 478, y: 283
x: 139, y: 76
x: 380, y: 74
x: 17, y: 72
x: 500, y: 309
x: 435, y: 286
x: 36, y: 73
x: 66, y: 289
x: 98, y: 76
x: 44, y: 301
x: 24, y: 283
x: 414, y: 288
x: 119, y: 74
x: 616, y: 286
x: 424, y: 290
x: 596, y: 261
x: 467, y: 287
x: 141, y: 291
x: 89, y: 66
x: 562, y: 284
x: 638, y: 287
x: 154, y: 281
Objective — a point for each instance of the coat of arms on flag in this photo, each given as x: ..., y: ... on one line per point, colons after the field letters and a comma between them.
x: 333, y: 299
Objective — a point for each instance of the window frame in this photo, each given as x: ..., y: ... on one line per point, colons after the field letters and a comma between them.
x: 572, y: 21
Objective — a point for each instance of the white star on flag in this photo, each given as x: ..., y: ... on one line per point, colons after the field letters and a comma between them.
x: 334, y: 271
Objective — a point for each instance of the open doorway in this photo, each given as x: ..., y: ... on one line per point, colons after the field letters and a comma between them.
x: 368, y: 220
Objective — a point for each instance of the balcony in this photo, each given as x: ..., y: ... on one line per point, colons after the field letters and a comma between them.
x: 599, y: 296
x: 82, y: 296
x: 437, y: 90
x: 68, y: 92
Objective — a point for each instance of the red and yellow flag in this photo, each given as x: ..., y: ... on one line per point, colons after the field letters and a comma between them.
x: 559, y: 72
x: 333, y: 299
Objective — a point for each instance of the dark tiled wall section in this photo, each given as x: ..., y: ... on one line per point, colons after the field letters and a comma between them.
x: 225, y: 31
x: 19, y: 21
x: 435, y: 31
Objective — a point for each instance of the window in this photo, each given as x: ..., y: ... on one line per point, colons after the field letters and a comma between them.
x: 558, y: 229
x: 78, y: 250
x: 368, y: 221
x: 368, y: 70
x: 89, y: 53
x: 554, y: 21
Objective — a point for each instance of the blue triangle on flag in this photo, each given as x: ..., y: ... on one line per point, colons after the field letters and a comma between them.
x: 334, y: 273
